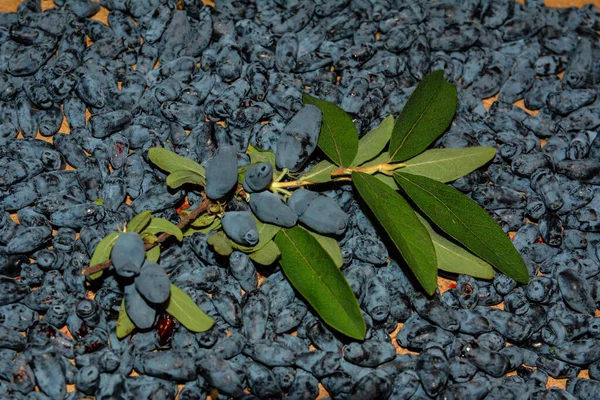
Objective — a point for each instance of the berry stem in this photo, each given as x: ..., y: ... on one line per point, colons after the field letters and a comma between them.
x: 164, y: 236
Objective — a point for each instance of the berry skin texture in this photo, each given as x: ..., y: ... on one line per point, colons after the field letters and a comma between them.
x: 128, y: 254
x: 269, y: 208
x: 221, y: 172
x: 299, y: 139
x: 258, y: 177
x: 153, y: 283
x: 324, y: 216
x: 301, y: 199
x: 240, y: 226
x: 139, y: 311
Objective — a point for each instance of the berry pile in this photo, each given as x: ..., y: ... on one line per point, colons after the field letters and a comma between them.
x: 246, y: 64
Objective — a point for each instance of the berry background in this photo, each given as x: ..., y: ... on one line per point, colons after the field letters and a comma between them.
x: 443, y: 283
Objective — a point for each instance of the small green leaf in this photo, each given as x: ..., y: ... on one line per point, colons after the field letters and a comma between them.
x: 203, y: 220
x: 182, y: 176
x: 102, y: 252
x: 373, y: 143
x: 221, y: 243
x: 320, y: 173
x: 331, y: 246
x: 313, y: 274
x: 124, y: 325
x: 338, y: 138
x: 190, y: 230
x: 455, y: 259
x: 153, y: 254
x: 159, y: 225
x: 259, y: 155
x: 139, y: 222
x: 171, y: 162
x: 98, y: 201
x: 266, y: 232
x: 426, y: 115
x: 185, y: 310
x: 446, y: 165
x: 267, y: 255
x: 466, y: 222
x: 402, y: 226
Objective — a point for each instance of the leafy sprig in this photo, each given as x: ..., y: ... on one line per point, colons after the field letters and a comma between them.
x: 388, y: 166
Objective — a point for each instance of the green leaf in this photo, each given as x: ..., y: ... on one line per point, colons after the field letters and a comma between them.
x: 203, y: 220
x: 331, y: 246
x: 139, y: 222
x: 466, y: 222
x: 446, y: 165
x: 259, y: 155
x: 382, y: 158
x: 267, y: 255
x: 426, y: 115
x: 124, y: 325
x: 221, y: 243
x: 182, y: 176
x: 172, y: 162
x: 314, y: 275
x: 388, y: 180
x: 402, y: 226
x: 320, y: 173
x: 455, y: 259
x: 373, y: 143
x: 338, y: 138
x: 159, y: 225
x: 190, y: 230
x: 185, y: 310
x: 102, y: 252
x: 99, y: 201
x: 153, y: 254
x: 266, y: 232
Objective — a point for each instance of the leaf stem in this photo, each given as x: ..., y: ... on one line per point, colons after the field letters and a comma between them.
x: 164, y: 236
x: 340, y: 175
x: 384, y: 168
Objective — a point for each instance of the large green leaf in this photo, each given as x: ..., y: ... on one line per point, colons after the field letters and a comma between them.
x: 446, y: 165
x: 267, y: 254
x: 314, y: 275
x: 426, y: 115
x: 183, y: 308
x: 320, y: 173
x: 466, y: 222
x: 338, y: 138
x: 139, y: 222
x: 124, y: 324
x: 402, y: 226
x: 373, y: 143
x: 455, y: 259
x: 388, y: 180
x: 172, y: 162
x: 331, y: 246
x: 183, y: 176
x: 102, y: 252
x: 159, y: 225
